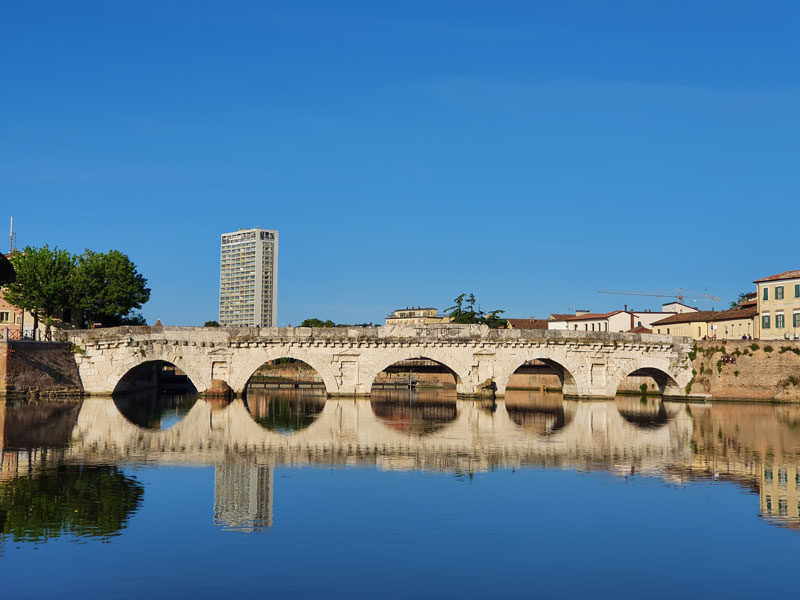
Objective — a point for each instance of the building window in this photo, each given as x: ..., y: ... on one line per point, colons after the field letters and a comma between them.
x: 783, y: 478
x: 796, y: 319
x: 797, y: 290
x: 768, y: 503
x: 5, y: 317
x: 765, y: 322
x: 779, y: 292
x: 783, y: 507
x: 779, y: 324
x: 768, y: 477
x: 766, y: 294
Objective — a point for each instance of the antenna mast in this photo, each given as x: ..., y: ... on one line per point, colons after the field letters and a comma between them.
x: 11, y: 237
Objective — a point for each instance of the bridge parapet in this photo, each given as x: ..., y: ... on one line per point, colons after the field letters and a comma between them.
x: 449, y: 332
x: 349, y: 358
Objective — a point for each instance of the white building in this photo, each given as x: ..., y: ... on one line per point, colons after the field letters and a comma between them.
x: 615, y: 321
x: 248, y: 278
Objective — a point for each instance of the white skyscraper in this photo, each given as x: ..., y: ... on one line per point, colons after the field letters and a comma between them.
x: 248, y: 278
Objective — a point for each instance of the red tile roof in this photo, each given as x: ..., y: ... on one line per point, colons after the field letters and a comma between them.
x: 640, y: 329
x: 710, y: 315
x: 779, y: 276
x: 593, y: 316
x: 527, y: 323
x: 560, y: 316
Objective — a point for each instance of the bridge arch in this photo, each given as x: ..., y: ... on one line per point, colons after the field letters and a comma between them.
x: 568, y: 372
x: 659, y: 369
x: 245, y: 369
x: 461, y: 371
x: 117, y: 382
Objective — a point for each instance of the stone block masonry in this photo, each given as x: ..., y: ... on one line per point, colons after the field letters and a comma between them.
x: 348, y: 360
x: 766, y: 370
x: 38, y: 367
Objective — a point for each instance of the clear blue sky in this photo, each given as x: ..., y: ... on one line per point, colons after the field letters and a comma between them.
x: 530, y: 152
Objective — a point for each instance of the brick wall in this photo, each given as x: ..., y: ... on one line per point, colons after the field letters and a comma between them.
x: 763, y: 370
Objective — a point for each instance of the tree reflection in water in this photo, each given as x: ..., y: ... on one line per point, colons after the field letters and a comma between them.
x: 415, y: 412
x: 154, y: 410
x: 94, y: 501
x: 536, y: 411
x: 285, y: 411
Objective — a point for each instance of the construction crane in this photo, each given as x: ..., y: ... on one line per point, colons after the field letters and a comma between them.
x: 680, y: 295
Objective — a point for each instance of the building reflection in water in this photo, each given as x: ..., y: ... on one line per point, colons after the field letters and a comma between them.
x: 756, y: 446
x: 243, y: 495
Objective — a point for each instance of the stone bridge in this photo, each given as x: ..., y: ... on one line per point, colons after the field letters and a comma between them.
x: 589, y: 364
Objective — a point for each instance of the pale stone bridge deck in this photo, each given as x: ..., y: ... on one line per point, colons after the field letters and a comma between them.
x: 589, y: 364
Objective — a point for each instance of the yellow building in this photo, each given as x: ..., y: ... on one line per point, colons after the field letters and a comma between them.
x: 415, y: 316
x: 779, y: 306
x: 734, y: 324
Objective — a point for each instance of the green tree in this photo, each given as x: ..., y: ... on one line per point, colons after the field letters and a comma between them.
x: 7, y: 273
x: 465, y: 311
x: 317, y: 323
x: 739, y: 299
x: 210, y: 324
x: 44, y: 282
x: 81, y: 500
x: 133, y: 318
x: 108, y: 286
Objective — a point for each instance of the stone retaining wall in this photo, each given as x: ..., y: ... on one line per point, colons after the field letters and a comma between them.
x: 747, y: 370
x: 40, y: 367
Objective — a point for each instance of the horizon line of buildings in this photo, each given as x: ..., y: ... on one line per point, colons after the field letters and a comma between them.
x: 771, y: 312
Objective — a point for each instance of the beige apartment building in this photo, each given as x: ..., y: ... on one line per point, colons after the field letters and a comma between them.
x: 779, y: 306
x: 415, y: 316
x: 733, y: 324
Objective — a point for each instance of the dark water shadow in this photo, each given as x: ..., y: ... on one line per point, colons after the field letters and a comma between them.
x: 285, y: 411
x: 418, y: 412
x: 540, y: 413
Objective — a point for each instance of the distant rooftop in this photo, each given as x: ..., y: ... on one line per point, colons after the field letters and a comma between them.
x: 780, y: 276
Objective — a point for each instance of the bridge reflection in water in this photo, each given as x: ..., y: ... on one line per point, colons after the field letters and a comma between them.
x: 753, y: 445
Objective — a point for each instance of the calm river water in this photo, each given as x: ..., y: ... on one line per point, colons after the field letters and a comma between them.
x: 288, y: 494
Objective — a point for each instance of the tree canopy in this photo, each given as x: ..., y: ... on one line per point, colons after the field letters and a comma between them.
x: 44, y: 281
x: 739, y: 299
x: 7, y: 273
x: 465, y: 311
x: 108, y: 286
x: 317, y: 323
